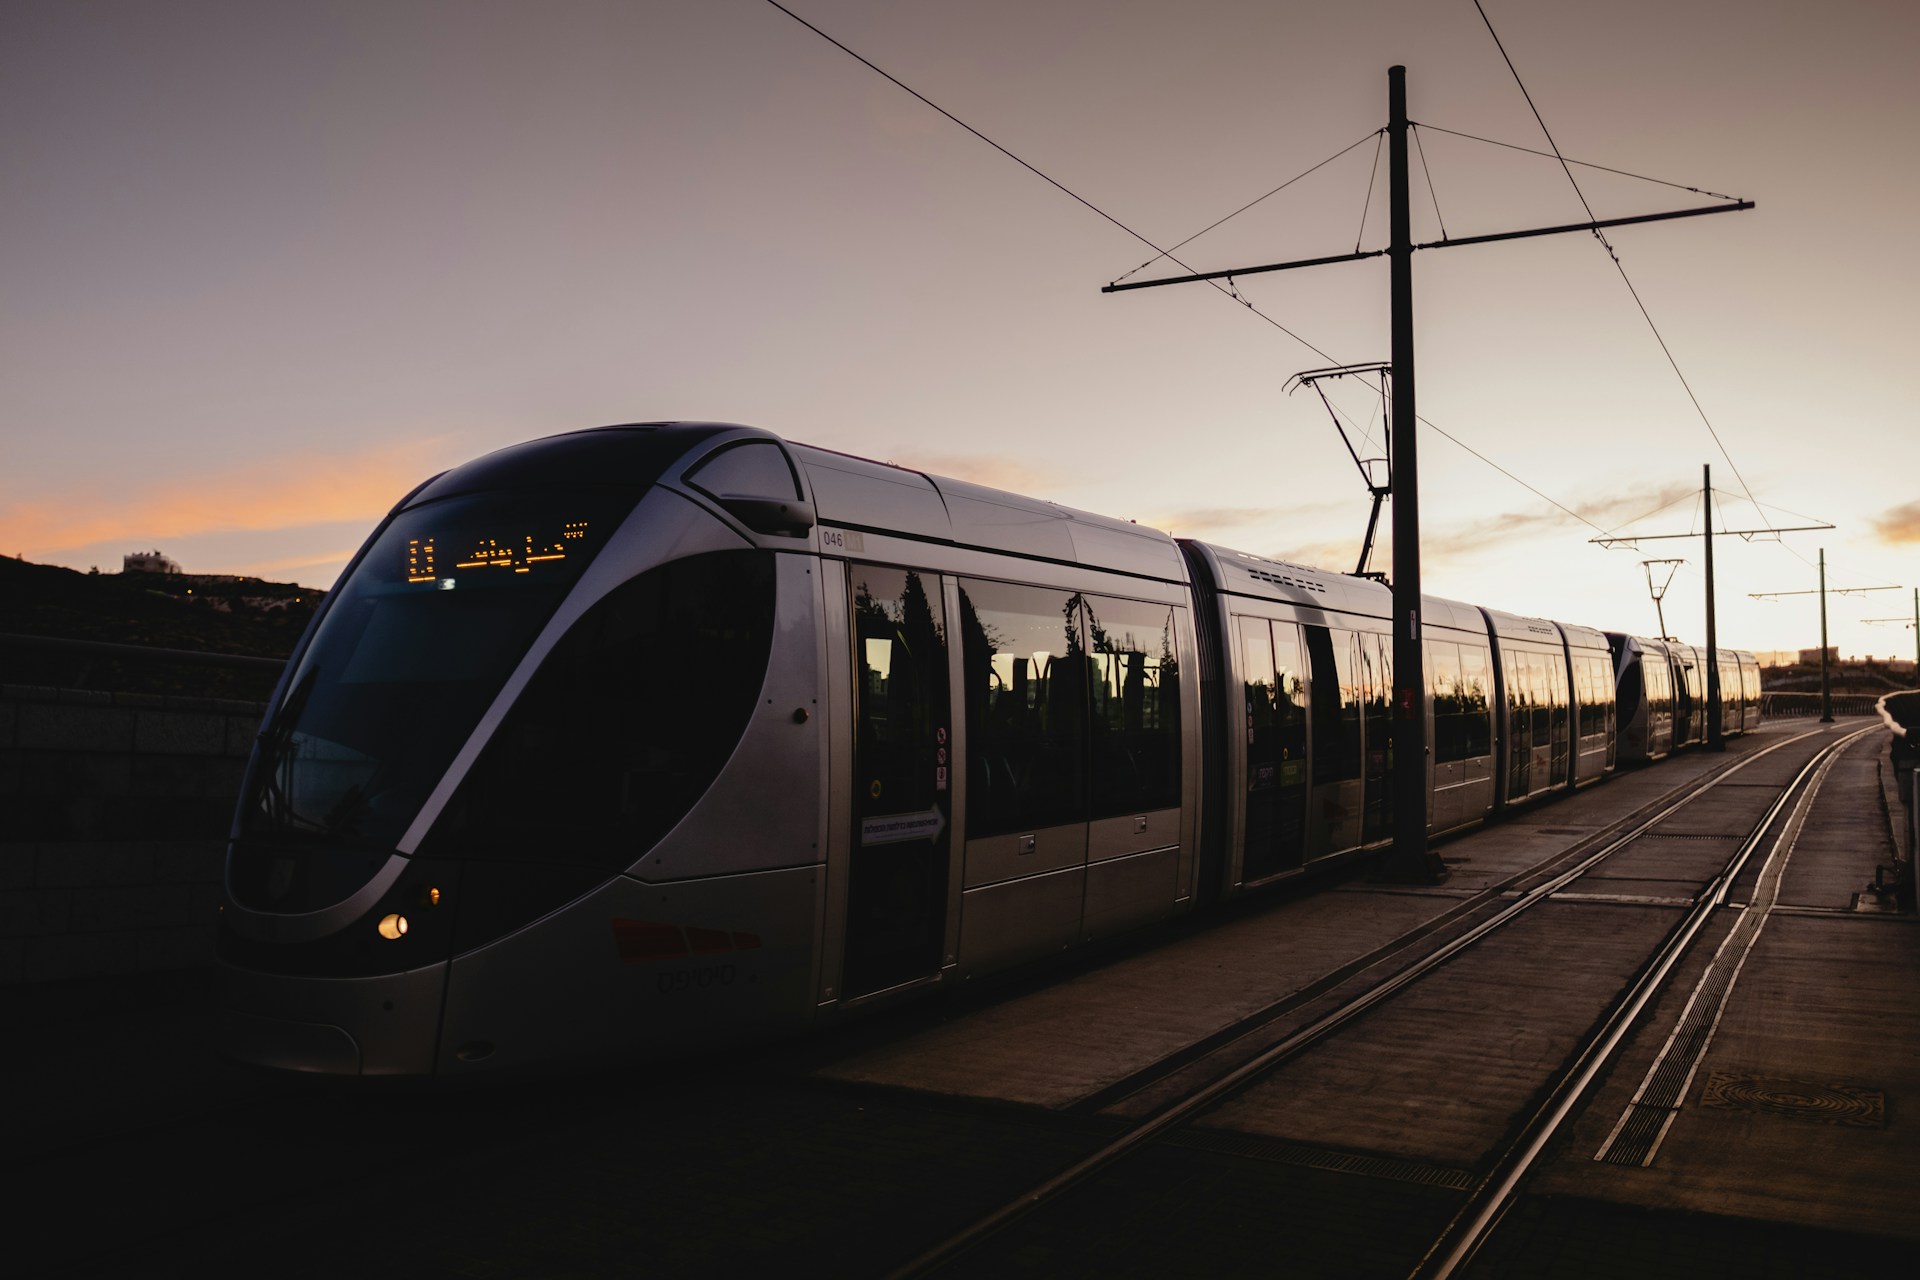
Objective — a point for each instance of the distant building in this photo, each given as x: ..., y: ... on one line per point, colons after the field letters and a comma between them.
x: 1808, y: 657
x: 148, y: 562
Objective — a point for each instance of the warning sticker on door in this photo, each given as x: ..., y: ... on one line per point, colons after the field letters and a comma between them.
x: 896, y: 828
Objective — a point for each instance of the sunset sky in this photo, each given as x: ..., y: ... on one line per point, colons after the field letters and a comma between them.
x: 265, y: 266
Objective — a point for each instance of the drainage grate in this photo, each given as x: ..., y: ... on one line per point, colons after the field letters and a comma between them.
x: 1633, y: 1140
x: 1687, y: 835
x: 1563, y: 831
x: 1302, y: 1156
x: 1800, y: 1099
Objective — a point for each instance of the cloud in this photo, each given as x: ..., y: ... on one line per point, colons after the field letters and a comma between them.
x: 1208, y: 522
x: 1899, y: 524
x: 290, y: 492
x: 1335, y: 556
x: 1621, y: 514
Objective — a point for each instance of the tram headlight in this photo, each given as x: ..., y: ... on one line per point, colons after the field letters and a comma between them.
x: 393, y: 926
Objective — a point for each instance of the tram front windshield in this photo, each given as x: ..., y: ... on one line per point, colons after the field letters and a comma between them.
x: 417, y: 645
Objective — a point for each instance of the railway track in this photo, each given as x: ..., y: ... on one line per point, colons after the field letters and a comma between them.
x: 1441, y: 1077
x: 1777, y: 785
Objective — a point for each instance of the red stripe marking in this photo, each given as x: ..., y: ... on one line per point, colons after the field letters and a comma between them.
x: 646, y: 940
x: 706, y: 942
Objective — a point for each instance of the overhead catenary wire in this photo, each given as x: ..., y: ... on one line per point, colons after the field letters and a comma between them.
x: 1429, y: 423
x: 1256, y: 200
x: 1690, y: 493
x: 1618, y: 265
x: 1228, y: 292
x: 1584, y: 164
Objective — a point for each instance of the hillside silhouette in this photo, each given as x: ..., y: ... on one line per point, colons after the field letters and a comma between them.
x: 248, y: 617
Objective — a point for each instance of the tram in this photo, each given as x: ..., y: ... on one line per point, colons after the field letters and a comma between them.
x: 650, y: 739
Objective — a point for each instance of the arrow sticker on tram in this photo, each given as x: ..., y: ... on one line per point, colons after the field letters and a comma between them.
x: 897, y: 828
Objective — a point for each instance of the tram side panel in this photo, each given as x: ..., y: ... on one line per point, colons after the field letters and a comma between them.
x: 1535, y: 707
x: 1307, y: 685
x: 1590, y: 665
x: 1460, y: 699
x: 1749, y: 693
x: 674, y: 954
x: 1055, y: 757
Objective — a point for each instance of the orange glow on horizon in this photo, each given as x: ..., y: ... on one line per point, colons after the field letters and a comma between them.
x: 289, y: 492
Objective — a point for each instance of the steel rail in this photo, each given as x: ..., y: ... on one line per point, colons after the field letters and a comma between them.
x: 1488, y: 1203
x: 1250, y: 1025
x: 1217, y: 1089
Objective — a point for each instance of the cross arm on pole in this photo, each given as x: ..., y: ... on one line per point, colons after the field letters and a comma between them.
x: 1731, y: 207
x: 1832, y: 591
x: 1630, y: 540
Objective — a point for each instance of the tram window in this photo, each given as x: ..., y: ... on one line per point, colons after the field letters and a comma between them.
x: 1256, y: 650
x: 1540, y: 681
x: 1632, y: 677
x: 757, y: 469
x: 1521, y: 699
x: 627, y: 722
x: 1290, y: 703
x: 1335, y: 690
x: 1026, y: 695
x: 1476, y: 730
x: 1376, y: 664
x: 1263, y: 753
x: 1136, y: 705
x: 433, y: 619
x: 1582, y: 697
x: 1561, y: 717
x: 1599, y: 696
x: 901, y: 722
x: 1443, y: 676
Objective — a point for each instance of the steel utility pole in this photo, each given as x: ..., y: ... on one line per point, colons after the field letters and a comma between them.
x: 1826, y: 682
x: 1913, y: 626
x: 1826, y: 679
x: 1714, y: 740
x: 1410, y: 858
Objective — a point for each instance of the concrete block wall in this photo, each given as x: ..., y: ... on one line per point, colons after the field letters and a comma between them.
x: 114, y: 809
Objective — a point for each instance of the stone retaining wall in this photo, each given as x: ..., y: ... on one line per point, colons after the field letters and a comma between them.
x: 114, y: 810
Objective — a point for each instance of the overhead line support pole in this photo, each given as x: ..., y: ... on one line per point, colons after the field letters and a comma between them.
x: 1714, y: 740
x: 1826, y: 680
x: 1410, y: 859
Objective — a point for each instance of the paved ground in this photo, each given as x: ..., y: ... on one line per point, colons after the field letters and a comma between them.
x: 1792, y: 1152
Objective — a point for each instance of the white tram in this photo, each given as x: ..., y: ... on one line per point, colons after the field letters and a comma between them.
x: 642, y: 740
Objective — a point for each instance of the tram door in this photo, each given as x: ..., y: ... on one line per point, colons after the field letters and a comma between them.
x: 1376, y: 662
x: 1276, y: 732
x: 897, y: 882
x: 1521, y: 701
x: 1335, y: 810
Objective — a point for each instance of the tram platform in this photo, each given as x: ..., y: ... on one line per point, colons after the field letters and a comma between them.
x: 1790, y: 1151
